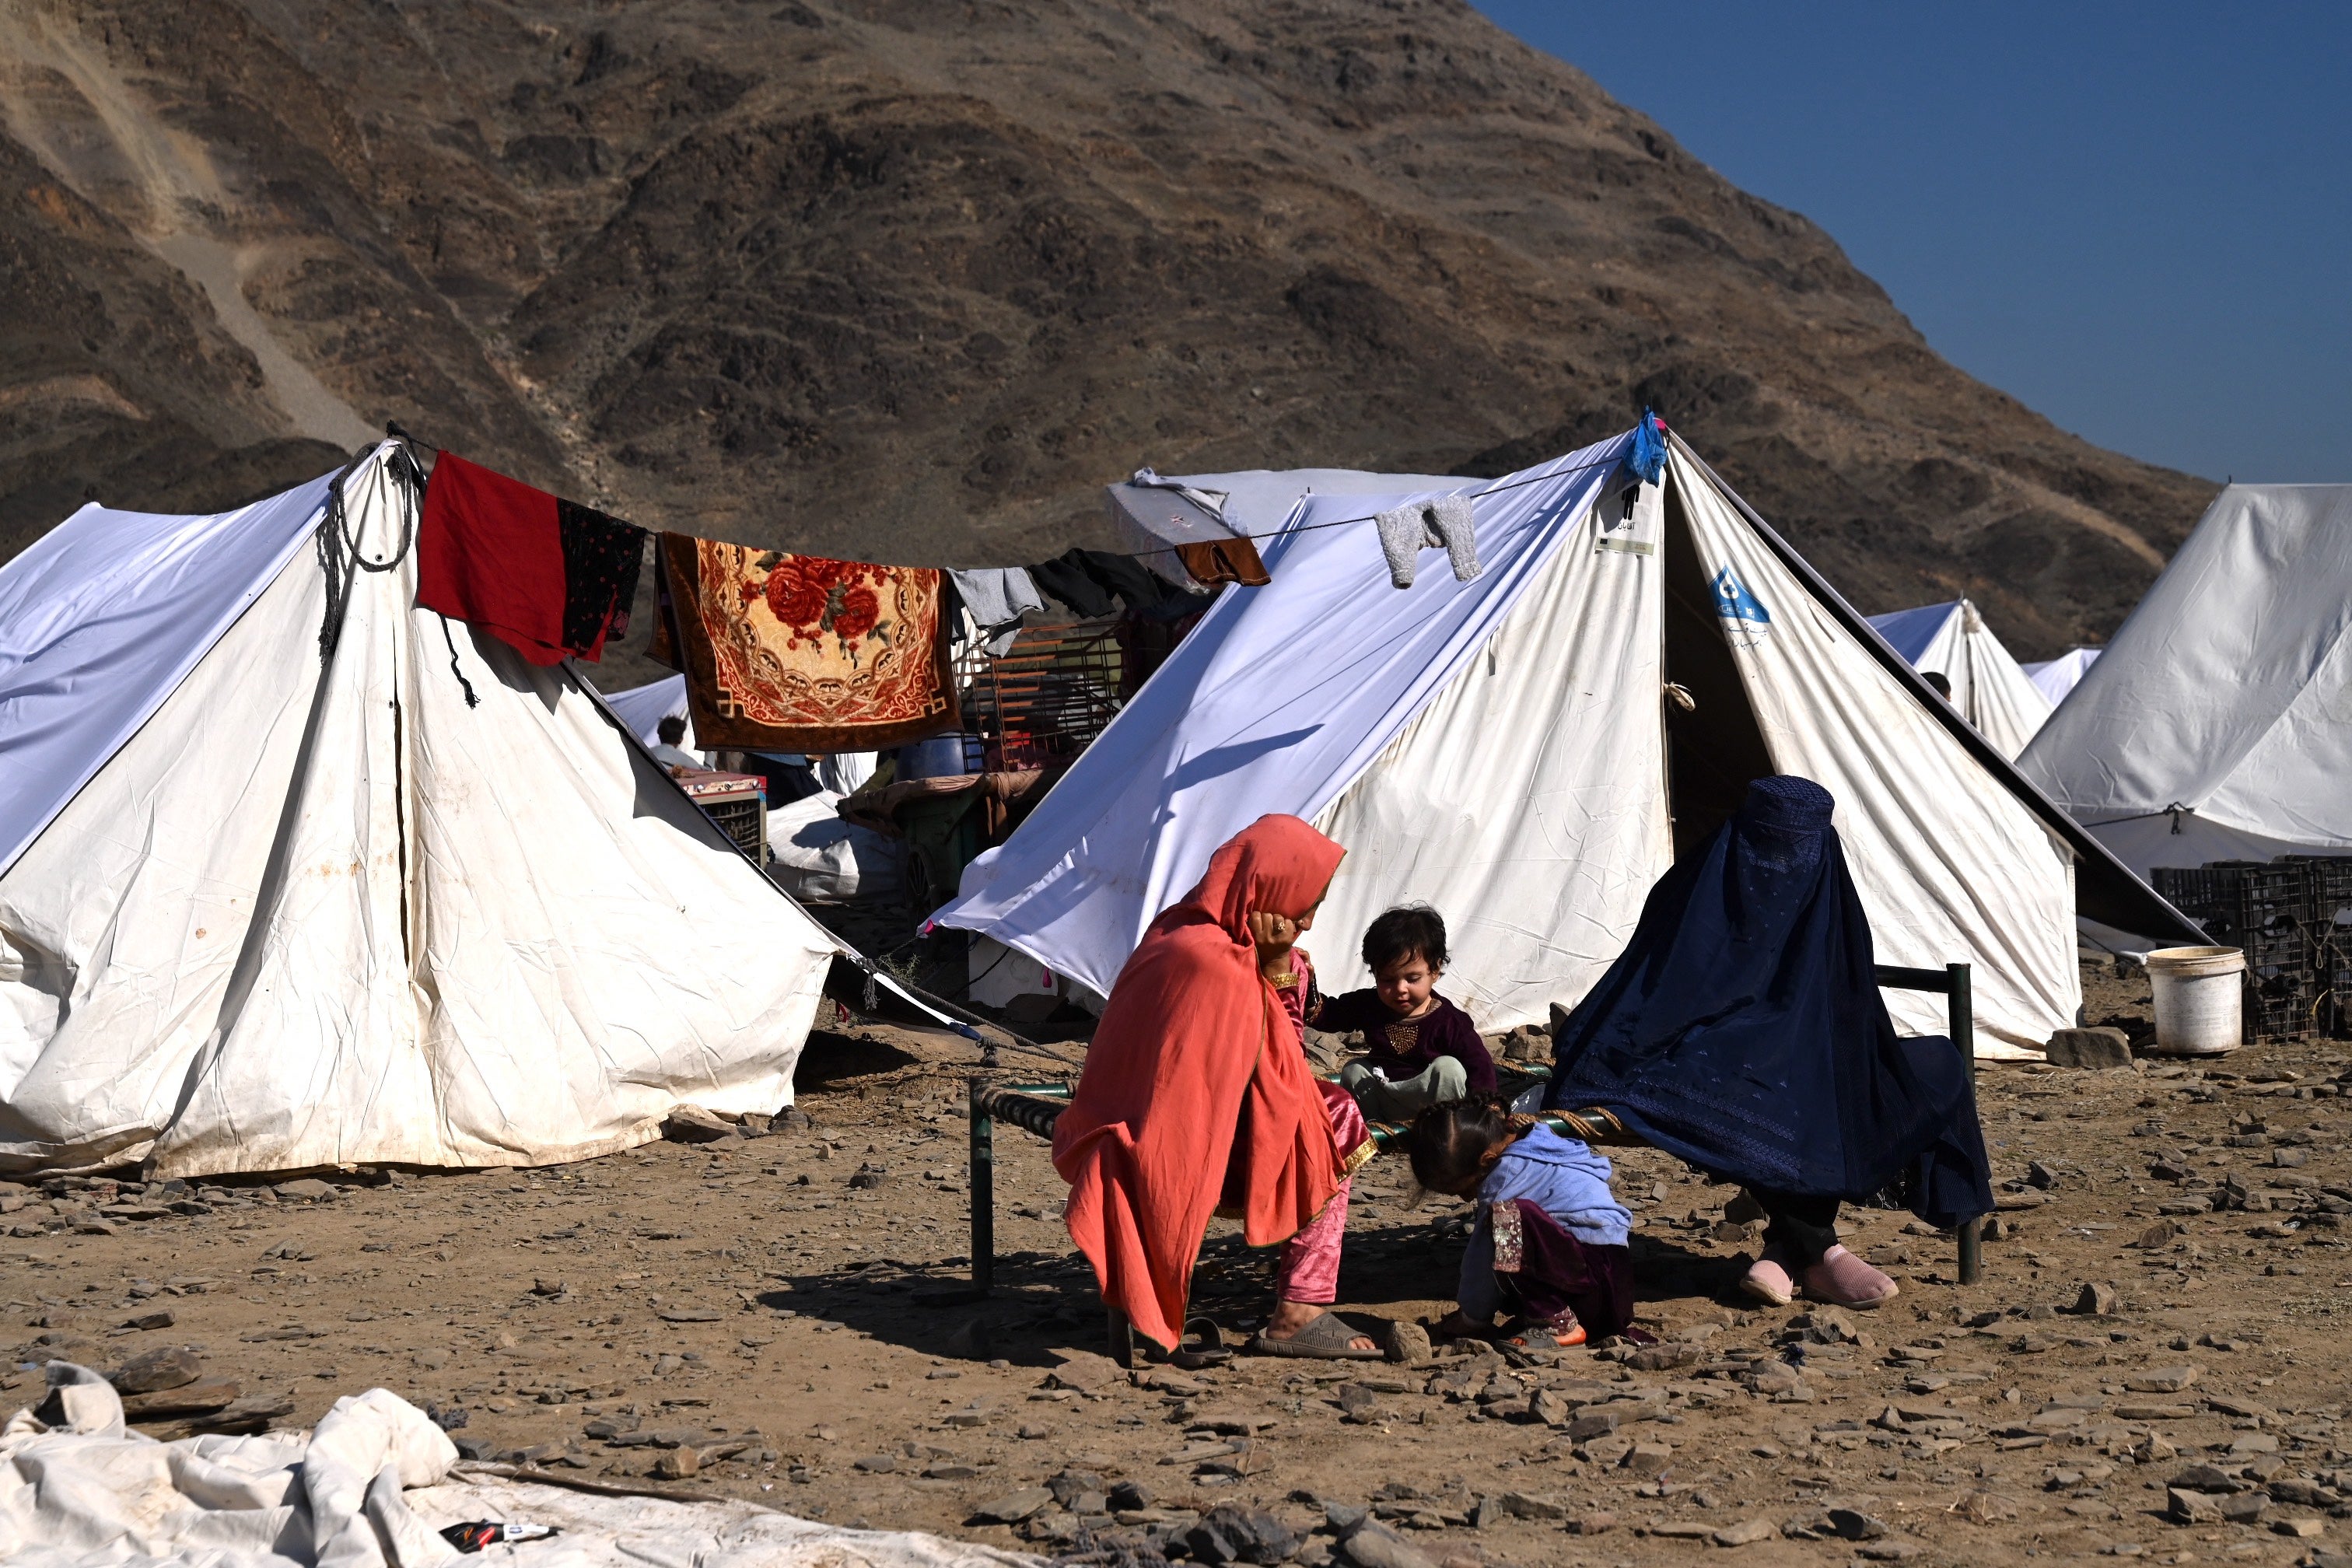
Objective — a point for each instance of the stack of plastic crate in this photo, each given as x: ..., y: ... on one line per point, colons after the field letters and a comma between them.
x: 2284, y: 1000
x: 2206, y: 894
x: 2330, y: 928
x: 2266, y: 908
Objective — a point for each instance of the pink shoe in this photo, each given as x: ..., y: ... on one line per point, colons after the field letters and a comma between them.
x: 1768, y: 1279
x: 1845, y: 1281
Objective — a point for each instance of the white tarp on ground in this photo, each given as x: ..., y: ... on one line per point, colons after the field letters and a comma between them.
x: 320, y: 910
x: 1989, y: 687
x: 820, y: 857
x: 371, y: 1488
x: 2218, y: 723
x: 2055, y: 678
x: 1496, y: 749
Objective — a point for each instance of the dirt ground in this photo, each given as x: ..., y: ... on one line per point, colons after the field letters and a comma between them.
x: 749, y: 1317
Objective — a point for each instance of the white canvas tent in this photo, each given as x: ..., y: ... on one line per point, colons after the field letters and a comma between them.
x: 643, y: 708
x: 2055, y: 678
x: 1991, y: 688
x: 276, y: 895
x: 2218, y: 723
x: 1511, y: 750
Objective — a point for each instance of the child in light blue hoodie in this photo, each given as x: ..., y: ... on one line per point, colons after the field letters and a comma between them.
x: 1550, y: 1241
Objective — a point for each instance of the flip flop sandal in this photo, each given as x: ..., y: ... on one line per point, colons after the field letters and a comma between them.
x: 1200, y: 1345
x: 1533, y: 1336
x: 1325, y: 1338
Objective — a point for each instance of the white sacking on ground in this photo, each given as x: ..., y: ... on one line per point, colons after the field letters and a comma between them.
x: 820, y: 859
x: 371, y: 1486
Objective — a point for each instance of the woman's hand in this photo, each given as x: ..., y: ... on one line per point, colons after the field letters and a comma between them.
x: 1271, y: 931
x: 1274, y: 935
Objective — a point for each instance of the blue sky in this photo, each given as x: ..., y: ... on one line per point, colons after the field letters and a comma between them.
x: 2137, y: 219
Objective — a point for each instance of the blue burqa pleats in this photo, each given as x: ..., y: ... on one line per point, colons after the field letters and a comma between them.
x: 1742, y: 1030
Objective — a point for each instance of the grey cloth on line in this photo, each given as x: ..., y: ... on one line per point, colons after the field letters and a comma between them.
x: 1441, y: 521
x: 997, y: 595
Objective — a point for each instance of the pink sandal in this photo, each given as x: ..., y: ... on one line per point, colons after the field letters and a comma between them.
x: 1845, y: 1281
x: 1768, y: 1278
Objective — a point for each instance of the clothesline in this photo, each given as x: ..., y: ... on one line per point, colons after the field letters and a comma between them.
x: 1536, y: 477
x: 1493, y: 489
x: 789, y: 652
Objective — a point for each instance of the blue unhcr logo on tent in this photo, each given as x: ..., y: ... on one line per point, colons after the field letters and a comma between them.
x: 1747, y: 620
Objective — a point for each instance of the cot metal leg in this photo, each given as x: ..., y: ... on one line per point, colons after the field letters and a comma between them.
x: 1961, y: 1004
x: 984, y: 1192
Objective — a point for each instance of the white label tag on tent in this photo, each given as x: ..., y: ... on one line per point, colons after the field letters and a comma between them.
x: 1628, y: 519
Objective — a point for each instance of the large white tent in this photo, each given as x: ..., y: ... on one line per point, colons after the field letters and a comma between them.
x: 1991, y: 688
x: 2218, y: 723
x: 1527, y: 750
x: 275, y: 892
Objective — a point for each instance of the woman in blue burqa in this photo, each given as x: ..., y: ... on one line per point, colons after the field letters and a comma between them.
x: 1743, y: 1030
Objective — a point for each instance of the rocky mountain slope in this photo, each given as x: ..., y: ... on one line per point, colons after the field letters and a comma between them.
x: 913, y: 280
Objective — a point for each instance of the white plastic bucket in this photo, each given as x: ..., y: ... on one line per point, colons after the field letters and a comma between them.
x: 2198, y: 997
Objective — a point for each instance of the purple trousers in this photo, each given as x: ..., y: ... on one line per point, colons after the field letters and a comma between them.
x: 1541, y: 1270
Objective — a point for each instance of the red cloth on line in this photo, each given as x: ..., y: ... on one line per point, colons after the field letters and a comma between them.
x: 1195, y: 1045
x: 549, y: 577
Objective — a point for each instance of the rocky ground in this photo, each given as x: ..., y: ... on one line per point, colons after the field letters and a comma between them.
x: 2151, y: 1366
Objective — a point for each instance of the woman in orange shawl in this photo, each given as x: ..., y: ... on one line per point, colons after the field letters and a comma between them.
x: 1196, y: 1089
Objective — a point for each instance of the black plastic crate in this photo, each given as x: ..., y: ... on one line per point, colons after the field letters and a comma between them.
x: 2220, y: 918
x: 2269, y: 980
x: 2331, y: 893
x: 2293, y: 1014
x: 2282, y: 946
x: 2211, y: 886
x: 2281, y: 882
x: 2336, y: 993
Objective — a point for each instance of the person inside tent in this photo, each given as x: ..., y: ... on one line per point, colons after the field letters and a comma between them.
x: 1548, y: 1242
x: 1743, y: 1030
x: 1197, y: 1099
x: 668, y: 754
x: 1939, y: 680
x: 1422, y: 1050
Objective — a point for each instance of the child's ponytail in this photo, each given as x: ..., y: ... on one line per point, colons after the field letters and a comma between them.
x: 1448, y: 1143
